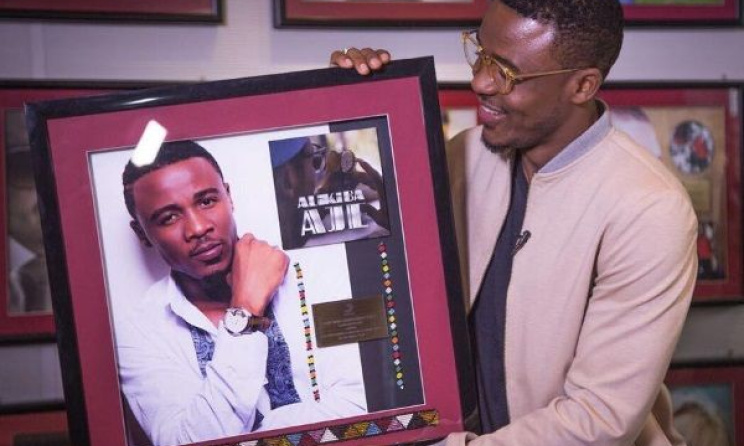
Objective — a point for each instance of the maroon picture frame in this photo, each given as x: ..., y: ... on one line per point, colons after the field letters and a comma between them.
x: 378, y: 13
x: 688, y: 102
x: 177, y: 11
x: 63, y: 142
x: 34, y: 427
x: 13, y: 95
x: 716, y: 391
x: 454, y: 98
x: 724, y: 13
x: 468, y: 13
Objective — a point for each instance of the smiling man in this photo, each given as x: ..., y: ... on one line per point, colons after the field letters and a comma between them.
x: 578, y: 245
x: 203, y: 355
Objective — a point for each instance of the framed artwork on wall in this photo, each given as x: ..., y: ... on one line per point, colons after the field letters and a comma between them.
x: 358, y: 335
x: 25, y: 299
x: 459, y: 107
x: 682, y: 13
x: 177, y: 11
x: 30, y: 377
x: 696, y: 131
x: 47, y: 428
x: 707, y: 403
x: 378, y: 13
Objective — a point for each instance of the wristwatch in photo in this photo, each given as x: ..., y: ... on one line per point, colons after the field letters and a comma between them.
x: 238, y: 321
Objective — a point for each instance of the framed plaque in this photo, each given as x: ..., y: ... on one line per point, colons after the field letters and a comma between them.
x: 180, y: 11
x: 459, y: 108
x: 25, y: 299
x: 155, y: 201
x: 47, y: 428
x: 378, y: 13
x: 695, y: 130
x: 682, y: 13
x: 707, y: 403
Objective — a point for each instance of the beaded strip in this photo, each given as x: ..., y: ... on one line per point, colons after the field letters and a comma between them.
x: 308, y: 332
x: 387, y: 284
x: 350, y: 431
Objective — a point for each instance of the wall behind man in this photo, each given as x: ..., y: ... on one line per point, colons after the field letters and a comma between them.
x: 248, y: 45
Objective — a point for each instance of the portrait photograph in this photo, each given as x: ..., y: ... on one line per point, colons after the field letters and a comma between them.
x: 318, y: 192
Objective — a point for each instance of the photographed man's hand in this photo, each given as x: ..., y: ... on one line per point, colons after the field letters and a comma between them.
x: 257, y: 271
x: 364, y: 61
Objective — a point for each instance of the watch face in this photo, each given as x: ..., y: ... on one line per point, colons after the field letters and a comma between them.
x: 347, y: 161
x: 236, y: 320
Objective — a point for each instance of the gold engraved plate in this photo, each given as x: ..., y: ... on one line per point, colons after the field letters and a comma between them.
x: 349, y: 321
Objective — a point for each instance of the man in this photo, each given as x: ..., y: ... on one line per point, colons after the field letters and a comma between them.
x: 578, y: 245
x: 204, y: 355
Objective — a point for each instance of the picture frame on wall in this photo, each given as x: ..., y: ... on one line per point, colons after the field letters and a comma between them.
x: 369, y: 309
x: 706, y: 403
x: 30, y: 377
x: 682, y: 13
x: 695, y: 129
x: 47, y: 428
x: 25, y: 300
x: 459, y: 106
x: 469, y: 13
x: 378, y: 13
x: 176, y: 11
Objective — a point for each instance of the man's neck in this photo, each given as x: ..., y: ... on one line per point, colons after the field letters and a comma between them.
x: 577, y: 123
x: 211, y: 295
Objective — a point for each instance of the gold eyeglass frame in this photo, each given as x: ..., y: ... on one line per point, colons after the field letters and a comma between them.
x: 510, y: 77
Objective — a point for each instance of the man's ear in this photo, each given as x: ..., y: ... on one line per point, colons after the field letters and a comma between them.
x: 585, y: 85
x: 227, y: 189
x: 140, y: 233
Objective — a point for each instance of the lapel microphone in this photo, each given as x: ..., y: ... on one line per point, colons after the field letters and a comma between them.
x: 521, y: 241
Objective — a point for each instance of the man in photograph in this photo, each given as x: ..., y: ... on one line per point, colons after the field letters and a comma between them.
x: 203, y: 355
x: 28, y: 282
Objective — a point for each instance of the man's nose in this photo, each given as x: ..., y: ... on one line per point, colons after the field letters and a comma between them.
x: 482, y: 84
x: 197, y: 225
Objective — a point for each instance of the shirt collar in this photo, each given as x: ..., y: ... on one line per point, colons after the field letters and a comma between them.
x: 183, y: 308
x: 584, y: 143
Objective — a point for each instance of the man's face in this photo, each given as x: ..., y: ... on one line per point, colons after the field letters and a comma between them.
x: 185, y: 211
x: 533, y: 113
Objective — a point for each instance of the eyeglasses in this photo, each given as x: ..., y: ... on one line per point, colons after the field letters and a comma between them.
x: 317, y: 154
x: 503, y: 77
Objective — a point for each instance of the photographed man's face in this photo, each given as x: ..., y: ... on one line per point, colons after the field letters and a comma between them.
x: 184, y: 210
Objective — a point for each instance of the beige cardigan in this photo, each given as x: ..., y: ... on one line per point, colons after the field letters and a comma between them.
x: 597, y: 297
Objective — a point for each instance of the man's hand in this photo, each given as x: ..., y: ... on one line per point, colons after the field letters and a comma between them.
x: 257, y: 271
x: 364, y: 61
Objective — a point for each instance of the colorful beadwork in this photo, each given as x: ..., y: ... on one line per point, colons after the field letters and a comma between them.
x: 308, y: 333
x: 387, y: 289
x: 350, y: 431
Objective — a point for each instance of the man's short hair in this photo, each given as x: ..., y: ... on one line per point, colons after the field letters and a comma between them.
x: 169, y: 153
x: 589, y: 32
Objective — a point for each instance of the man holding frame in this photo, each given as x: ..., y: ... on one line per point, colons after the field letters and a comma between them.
x: 578, y: 246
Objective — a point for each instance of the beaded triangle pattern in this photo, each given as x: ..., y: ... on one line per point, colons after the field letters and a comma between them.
x: 350, y: 431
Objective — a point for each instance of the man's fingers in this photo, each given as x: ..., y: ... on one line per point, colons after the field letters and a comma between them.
x: 363, y: 60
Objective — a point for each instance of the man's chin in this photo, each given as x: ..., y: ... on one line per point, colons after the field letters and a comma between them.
x: 498, y: 149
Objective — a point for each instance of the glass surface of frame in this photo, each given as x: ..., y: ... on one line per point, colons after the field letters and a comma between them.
x: 695, y: 130
x: 177, y: 11
x: 706, y: 402
x: 26, y: 309
x: 370, y: 307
